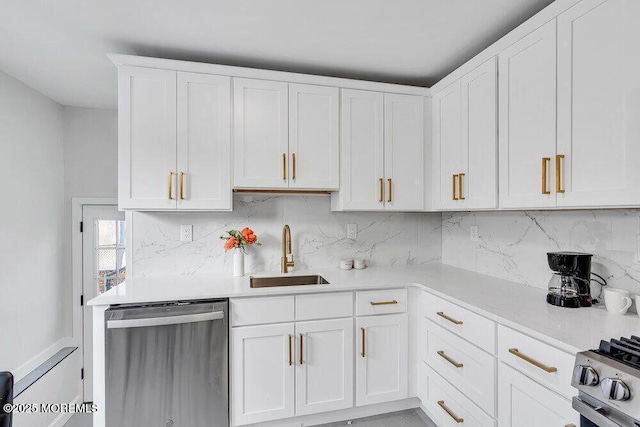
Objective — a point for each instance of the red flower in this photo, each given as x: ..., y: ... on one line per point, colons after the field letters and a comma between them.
x: 249, y: 235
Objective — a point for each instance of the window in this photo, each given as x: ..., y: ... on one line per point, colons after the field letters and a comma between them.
x: 110, y: 241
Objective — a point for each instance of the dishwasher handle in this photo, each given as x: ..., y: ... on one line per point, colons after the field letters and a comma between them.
x: 162, y: 321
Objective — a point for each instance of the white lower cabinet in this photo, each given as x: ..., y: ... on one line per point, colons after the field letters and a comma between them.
x: 382, y: 359
x: 262, y: 373
x: 324, y: 372
x: 522, y: 402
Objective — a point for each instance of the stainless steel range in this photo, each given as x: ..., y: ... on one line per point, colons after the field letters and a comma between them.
x: 608, y: 380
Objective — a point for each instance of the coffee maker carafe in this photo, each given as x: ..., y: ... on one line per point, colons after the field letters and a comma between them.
x: 569, y: 285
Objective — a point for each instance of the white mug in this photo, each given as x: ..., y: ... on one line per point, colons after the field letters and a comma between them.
x: 617, y: 301
x: 637, y: 304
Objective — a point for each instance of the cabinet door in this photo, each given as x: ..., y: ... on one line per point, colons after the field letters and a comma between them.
x: 146, y: 138
x: 598, y: 108
x: 523, y: 402
x: 314, y: 144
x: 261, y: 142
x: 361, y: 168
x: 381, y: 359
x: 324, y: 377
x: 527, y: 104
x: 447, y: 146
x: 204, y: 142
x: 262, y: 373
x: 479, y: 163
x: 404, y: 152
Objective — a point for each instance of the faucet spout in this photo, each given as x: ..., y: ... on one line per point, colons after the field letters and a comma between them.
x: 286, y: 250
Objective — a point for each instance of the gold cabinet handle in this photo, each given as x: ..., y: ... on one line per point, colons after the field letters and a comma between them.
x: 290, y: 350
x: 381, y: 190
x: 293, y: 173
x: 284, y: 166
x: 559, y: 158
x: 545, y: 163
x: 383, y: 302
x: 301, y: 349
x: 362, y: 353
x: 549, y: 369
x: 170, y: 185
x: 450, y: 412
x: 181, y: 174
x: 570, y: 425
x: 460, y: 187
x: 390, y: 191
x: 450, y: 319
x: 455, y: 178
x: 448, y: 359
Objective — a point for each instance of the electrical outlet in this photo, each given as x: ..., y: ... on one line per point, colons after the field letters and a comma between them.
x: 473, y: 233
x: 352, y: 231
x: 186, y: 233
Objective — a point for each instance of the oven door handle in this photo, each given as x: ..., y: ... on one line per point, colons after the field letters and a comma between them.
x: 166, y: 320
x: 590, y: 412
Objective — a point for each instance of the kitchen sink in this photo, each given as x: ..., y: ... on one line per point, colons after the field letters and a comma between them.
x: 268, y: 282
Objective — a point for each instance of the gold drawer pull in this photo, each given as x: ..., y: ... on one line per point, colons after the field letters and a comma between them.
x: 390, y: 199
x: 450, y: 412
x: 545, y: 163
x: 301, y: 349
x: 284, y: 166
x: 455, y: 178
x: 290, y: 350
x: 383, y: 302
x: 570, y: 425
x: 448, y: 359
x: 170, y: 185
x: 381, y: 190
x: 460, y: 177
x: 535, y: 363
x: 181, y: 174
x: 450, y: 319
x: 362, y: 353
x: 559, y: 158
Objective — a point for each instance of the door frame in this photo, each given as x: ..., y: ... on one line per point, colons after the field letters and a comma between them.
x: 77, y: 203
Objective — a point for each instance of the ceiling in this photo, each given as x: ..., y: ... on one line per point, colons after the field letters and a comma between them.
x: 58, y: 47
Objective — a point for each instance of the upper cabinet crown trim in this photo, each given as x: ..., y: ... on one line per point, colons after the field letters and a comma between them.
x: 256, y: 73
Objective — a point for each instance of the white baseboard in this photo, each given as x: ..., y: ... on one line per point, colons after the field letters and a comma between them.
x: 62, y: 419
x: 21, y: 371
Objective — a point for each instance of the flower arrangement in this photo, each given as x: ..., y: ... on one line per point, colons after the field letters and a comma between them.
x: 240, y: 239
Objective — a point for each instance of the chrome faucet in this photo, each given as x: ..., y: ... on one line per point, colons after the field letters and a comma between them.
x: 286, y: 250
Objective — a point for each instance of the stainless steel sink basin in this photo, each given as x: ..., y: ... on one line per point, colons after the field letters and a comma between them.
x: 268, y: 282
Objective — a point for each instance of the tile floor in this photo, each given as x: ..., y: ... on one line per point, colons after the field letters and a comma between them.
x: 408, y: 418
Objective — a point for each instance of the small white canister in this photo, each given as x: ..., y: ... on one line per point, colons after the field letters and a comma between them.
x: 346, y: 264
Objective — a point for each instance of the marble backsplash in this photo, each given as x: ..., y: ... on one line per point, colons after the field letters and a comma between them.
x: 513, y: 244
x: 319, y: 237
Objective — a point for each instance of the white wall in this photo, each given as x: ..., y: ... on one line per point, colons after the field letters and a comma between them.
x: 513, y: 244
x: 34, y: 308
x: 319, y: 237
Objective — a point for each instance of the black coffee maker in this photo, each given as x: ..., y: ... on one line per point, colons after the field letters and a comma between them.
x: 570, y: 285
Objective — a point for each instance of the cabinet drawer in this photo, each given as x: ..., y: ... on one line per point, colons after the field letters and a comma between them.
x: 381, y: 302
x: 252, y: 311
x: 447, y: 406
x: 546, y: 364
x: 467, y: 324
x: 324, y: 306
x: 464, y: 365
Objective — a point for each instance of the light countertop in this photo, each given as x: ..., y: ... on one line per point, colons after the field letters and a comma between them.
x: 521, y: 307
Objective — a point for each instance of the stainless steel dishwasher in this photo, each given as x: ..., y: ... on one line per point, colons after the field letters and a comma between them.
x: 167, y: 365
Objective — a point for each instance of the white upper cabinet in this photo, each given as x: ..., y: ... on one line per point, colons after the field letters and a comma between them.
x: 314, y: 140
x: 447, y: 145
x: 204, y: 142
x: 382, y: 152
x: 478, y: 187
x: 598, y: 107
x: 362, y: 150
x: 174, y: 144
x: 146, y: 138
x: 404, y: 152
x: 261, y: 134
x: 527, y: 115
x: 465, y: 141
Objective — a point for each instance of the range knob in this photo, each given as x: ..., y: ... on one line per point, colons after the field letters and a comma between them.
x: 615, y: 389
x: 585, y: 375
